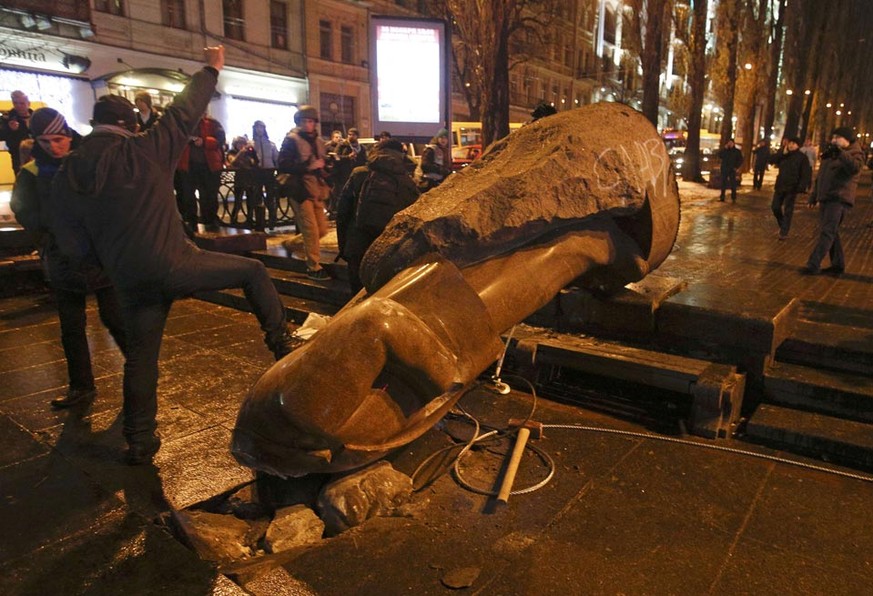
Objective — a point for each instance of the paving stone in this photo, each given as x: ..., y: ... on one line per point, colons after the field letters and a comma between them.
x: 214, y: 537
x: 117, y: 554
x: 24, y: 357
x: 45, y: 500
x: 199, y: 466
x: 16, y: 444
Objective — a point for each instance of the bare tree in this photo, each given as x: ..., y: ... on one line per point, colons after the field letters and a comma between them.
x: 648, y: 23
x: 483, y: 30
x: 697, y: 82
x: 777, y: 34
x: 729, y: 36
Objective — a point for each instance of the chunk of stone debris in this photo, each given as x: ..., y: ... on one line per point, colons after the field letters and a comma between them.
x: 293, y: 526
x: 215, y: 537
x: 351, y: 500
x: 276, y: 582
x: 462, y: 577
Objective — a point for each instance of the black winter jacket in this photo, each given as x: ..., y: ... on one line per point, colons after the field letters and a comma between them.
x: 31, y: 203
x: 795, y: 175
x: 838, y: 176
x: 119, y: 189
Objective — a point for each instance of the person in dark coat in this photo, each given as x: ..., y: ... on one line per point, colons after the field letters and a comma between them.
x: 14, y: 127
x: 372, y: 196
x: 70, y: 285
x: 794, y: 178
x: 731, y: 160
x: 120, y: 210
x: 761, y: 157
x: 146, y: 116
x: 834, y: 192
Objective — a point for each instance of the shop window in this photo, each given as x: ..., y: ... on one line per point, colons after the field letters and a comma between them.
x: 234, y: 23
x: 325, y: 37
x: 173, y: 13
x: 279, y: 24
x: 347, y: 44
x: 115, y: 7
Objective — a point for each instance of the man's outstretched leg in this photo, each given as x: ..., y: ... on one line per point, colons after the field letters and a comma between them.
x: 204, y: 271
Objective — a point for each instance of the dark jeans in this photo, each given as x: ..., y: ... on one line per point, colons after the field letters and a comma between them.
x: 758, y: 179
x: 783, y: 209
x: 729, y: 180
x: 200, y: 179
x: 145, y: 309
x: 831, y: 215
x: 71, y: 312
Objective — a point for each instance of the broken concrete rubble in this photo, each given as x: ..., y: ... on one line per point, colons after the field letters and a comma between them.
x: 377, y: 490
x: 293, y: 526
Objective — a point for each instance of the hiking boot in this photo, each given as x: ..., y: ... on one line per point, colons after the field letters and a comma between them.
x: 286, y: 344
x: 142, y: 451
x: 74, y: 397
x: 318, y: 274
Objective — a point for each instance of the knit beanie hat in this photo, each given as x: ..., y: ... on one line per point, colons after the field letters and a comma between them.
x: 47, y: 121
x: 845, y: 132
x: 442, y: 133
x: 116, y: 110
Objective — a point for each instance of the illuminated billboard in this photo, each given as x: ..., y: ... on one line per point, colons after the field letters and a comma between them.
x: 409, y: 70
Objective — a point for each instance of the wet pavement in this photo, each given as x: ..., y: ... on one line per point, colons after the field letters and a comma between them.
x: 624, y: 513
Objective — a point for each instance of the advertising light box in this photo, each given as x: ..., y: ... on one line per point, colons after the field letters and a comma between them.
x: 410, y: 83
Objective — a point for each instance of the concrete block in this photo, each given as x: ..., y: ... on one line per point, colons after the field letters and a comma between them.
x: 705, y: 317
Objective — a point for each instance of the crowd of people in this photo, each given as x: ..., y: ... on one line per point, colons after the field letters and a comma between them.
x: 115, y: 212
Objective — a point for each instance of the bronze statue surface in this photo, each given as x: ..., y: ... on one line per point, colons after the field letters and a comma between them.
x: 586, y: 196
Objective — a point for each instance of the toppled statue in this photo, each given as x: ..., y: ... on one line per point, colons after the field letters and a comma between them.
x: 586, y: 196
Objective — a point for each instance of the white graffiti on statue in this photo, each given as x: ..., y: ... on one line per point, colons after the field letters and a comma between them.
x: 646, y: 158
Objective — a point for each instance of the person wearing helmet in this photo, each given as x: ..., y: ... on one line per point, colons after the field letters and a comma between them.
x: 302, y: 174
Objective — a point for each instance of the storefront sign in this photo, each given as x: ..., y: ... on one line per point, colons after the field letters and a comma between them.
x: 41, y: 57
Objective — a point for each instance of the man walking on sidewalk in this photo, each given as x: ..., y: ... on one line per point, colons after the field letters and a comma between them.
x: 794, y: 177
x: 835, y: 190
x: 731, y: 160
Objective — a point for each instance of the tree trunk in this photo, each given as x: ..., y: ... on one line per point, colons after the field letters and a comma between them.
x: 732, y: 43
x: 773, y: 81
x: 651, y: 59
x: 691, y: 162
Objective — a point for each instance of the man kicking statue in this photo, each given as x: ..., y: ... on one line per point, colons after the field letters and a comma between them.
x: 118, y: 209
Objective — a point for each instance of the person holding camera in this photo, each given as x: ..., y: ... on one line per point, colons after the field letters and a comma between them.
x: 834, y: 192
x: 14, y: 127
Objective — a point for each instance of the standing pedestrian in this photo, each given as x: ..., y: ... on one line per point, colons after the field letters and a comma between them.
x: 31, y: 203
x: 761, y: 160
x: 731, y: 160
x: 266, y: 192
x: 302, y: 173
x: 370, y: 198
x: 14, y: 127
x: 436, y: 162
x: 118, y: 186
x: 146, y: 116
x: 202, y: 162
x: 794, y: 178
x: 834, y: 192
